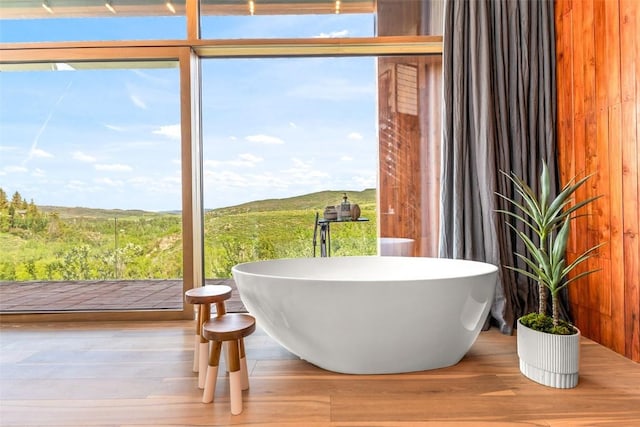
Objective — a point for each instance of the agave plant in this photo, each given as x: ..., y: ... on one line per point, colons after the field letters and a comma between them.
x: 550, y: 220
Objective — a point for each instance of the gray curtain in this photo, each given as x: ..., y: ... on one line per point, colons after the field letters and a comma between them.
x: 499, y: 112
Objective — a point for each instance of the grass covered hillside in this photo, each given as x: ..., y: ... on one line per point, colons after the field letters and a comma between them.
x: 61, y: 243
x: 314, y: 202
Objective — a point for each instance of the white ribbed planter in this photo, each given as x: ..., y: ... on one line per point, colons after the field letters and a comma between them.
x: 548, y: 359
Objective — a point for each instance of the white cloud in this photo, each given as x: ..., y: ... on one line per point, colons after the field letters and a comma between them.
x: 138, y: 102
x: 80, y: 186
x: 38, y: 152
x: 141, y: 180
x: 38, y: 173
x: 170, y: 131
x: 115, y: 128
x: 300, y: 164
x: 365, y: 180
x: 333, y: 34
x: 244, y: 160
x: 346, y: 158
x: 75, y: 183
x: 173, y: 179
x: 355, y: 136
x: 82, y: 157
x: 15, y: 169
x: 110, y: 182
x: 293, y: 125
x: 228, y: 180
x: 165, y: 186
x: 302, y: 171
x: 7, y: 148
x: 114, y: 167
x: 264, y: 139
x: 248, y: 157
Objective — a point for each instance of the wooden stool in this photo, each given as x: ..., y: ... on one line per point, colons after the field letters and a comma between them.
x: 203, y: 297
x: 230, y: 328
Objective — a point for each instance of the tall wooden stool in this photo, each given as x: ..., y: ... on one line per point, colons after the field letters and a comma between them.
x: 230, y: 328
x: 203, y: 297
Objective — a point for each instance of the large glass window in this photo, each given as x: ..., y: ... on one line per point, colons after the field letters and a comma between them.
x: 92, y: 152
x: 283, y: 139
x: 246, y: 19
x: 90, y: 172
x: 85, y: 20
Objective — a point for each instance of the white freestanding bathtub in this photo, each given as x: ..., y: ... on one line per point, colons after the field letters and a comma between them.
x: 370, y: 314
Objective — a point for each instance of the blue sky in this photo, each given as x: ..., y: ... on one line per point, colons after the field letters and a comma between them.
x: 272, y: 128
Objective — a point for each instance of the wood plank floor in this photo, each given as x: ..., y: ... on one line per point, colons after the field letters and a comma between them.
x: 139, y: 374
x: 101, y: 295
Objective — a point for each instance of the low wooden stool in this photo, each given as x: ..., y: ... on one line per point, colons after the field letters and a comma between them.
x: 203, y: 297
x: 230, y: 328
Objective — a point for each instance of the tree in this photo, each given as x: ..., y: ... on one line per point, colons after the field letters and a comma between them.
x: 75, y: 263
x: 4, y: 202
x: 17, y: 202
x: 32, y: 209
x: 5, y: 220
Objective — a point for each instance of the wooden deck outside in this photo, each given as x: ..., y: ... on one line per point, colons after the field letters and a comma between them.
x: 140, y: 374
x: 101, y: 295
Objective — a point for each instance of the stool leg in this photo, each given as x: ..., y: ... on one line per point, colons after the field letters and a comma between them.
x: 203, y: 361
x: 225, y: 351
x: 196, y: 353
x: 204, y: 346
x: 243, y: 366
x: 235, y: 380
x: 221, y: 310
x: 212, y: 373
x: 196, y: 343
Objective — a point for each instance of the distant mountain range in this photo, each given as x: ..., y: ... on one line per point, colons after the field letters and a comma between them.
x: 79, y: 212
x: 317, y: 201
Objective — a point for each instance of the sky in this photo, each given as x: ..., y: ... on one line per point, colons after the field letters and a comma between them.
x: 109, y: 138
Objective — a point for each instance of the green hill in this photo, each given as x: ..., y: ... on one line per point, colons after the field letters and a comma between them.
x: 313, y: 201
x: 93, y: 213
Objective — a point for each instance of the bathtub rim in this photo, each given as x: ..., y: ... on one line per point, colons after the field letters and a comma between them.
x: 487, y: 268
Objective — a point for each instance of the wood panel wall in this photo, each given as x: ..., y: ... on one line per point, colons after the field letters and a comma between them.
x: 598, y: 58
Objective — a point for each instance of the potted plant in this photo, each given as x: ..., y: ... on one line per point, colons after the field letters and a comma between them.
x: 548, y: 346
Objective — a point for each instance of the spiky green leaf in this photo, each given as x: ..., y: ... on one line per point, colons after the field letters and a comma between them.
x: 545, y: 189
